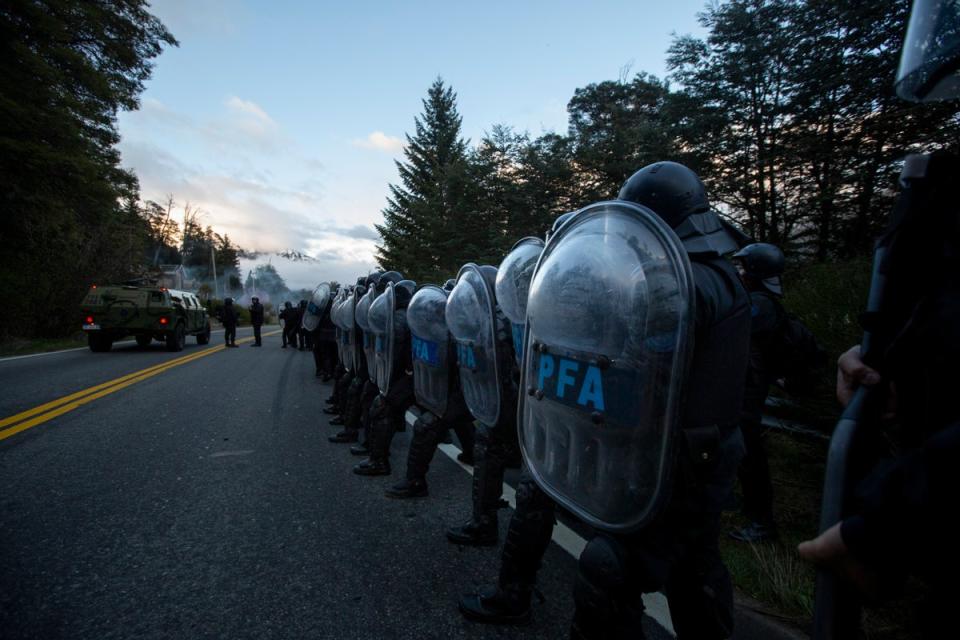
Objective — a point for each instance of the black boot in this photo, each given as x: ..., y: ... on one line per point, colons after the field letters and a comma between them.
x: 481, y: 529
x: 372, y: 467
x: 408, y: 489
x: 343, y: 437
x: 336, y: 422
x: 330, y: 411
x: 497, y: 606
x: 360, y: 449
x: 480, y: 532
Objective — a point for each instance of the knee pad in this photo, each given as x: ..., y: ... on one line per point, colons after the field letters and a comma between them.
x: 426, y: 423
x: 600, y: 586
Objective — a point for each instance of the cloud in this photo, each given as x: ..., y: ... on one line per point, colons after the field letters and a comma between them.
x: 380, y: 141
x: 361, y: 232
x: 249, y: 108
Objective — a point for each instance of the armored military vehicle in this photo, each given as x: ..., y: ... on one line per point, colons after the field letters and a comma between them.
x: 147, y: 313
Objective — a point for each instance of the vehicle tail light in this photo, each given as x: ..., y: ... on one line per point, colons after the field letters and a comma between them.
x: 164, y: 321
x: 89, y: 319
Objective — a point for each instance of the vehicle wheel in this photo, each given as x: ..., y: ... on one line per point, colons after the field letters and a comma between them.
x: 177, y: 338
x: 143, y: 340
x: 99, y: 342
x: 204, y: 338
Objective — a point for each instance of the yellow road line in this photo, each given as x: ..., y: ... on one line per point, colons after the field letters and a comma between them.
x: 45, y: 412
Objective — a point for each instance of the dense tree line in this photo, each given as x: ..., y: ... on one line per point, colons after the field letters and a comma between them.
x: 70, y: 214
x: 786, y: 109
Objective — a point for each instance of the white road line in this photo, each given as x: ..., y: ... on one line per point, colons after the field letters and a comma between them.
x: 568, y: 540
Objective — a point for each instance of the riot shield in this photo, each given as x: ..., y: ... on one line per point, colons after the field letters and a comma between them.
x: 337, y: 331
x: 356, y: 333
x: 513, y: 285
x: 346, y: 317
x: 380, y: 318
x: 608, y: 343
x: 472, y: 320
x: 362, y: 314
x: 430, y: 342
x: 316, y: 307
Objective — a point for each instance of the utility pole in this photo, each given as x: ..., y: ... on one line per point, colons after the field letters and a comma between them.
x: 213, y: 267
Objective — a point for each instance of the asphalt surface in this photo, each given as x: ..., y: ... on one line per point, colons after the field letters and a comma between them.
x: 206, y: 502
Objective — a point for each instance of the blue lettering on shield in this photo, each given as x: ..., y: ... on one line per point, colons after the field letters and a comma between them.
x: 571, y: 382
x: 465, y: 356
x: 518, y: 340
x: 425, y: 351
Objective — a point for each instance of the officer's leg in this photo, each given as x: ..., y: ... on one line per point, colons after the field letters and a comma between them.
x: 756, y: 484
x: 427, y: 431
x: 699, y: 591
x: 463, y: 427
x: 256, y: 334
x: 317, y: 360
x: 351, y: 415
x: 370, y: 393
x: 527, y: 539
x: 379, y: 436
x: 611, y: 580
x: 491, y: 452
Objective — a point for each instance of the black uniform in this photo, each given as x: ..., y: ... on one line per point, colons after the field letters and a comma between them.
x: 387, y: 410
x: 228, y: 316
x: 289, y: 317
x: 904, y: 522
x: 256, y: 319
x: 325, y: 347
x: 299, y: 332
x: 767, y: 317
x: 679, y: 552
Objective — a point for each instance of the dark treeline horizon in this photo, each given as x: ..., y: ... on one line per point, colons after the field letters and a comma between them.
x: 786, y: 109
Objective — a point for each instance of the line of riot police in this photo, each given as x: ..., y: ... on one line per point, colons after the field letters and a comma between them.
x: 611, y: 360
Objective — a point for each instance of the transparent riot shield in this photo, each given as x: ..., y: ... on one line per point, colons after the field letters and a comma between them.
x: 608, y: 343
x: 430, y: 343
x: 380, y: 319
x: 513, y: 285
x: 472, y: 320
x: 362, y: 314
x: 316, y: 307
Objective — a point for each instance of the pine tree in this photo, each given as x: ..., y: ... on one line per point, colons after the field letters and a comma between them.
x: 421, y: 222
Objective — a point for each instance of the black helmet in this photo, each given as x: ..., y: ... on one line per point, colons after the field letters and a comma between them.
x: 373, y: 277
x: 227, y: 301
x: 489, y: 273
x: 670, y: 189
x: 764, y: 263
x: 389, y: 276
x: 449, y: 285
x: 403, y: 291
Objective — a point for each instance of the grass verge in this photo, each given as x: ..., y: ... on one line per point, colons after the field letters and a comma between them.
x: 24, y: 346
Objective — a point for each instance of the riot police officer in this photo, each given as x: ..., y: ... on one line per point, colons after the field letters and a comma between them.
x: 350, y: 417
x: 487, y: 376
x: 440, y: 404
x: 387, y: 320
x: 288, y: 319
x: 760, y: 266
x: 902, y: 520
x: 256, y: 319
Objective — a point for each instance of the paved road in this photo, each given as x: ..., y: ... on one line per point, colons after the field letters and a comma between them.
x: 202, y: 500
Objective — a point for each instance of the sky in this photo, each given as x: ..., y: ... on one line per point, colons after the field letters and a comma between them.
x: 281, y: 120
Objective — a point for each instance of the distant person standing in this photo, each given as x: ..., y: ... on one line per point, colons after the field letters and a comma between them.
x: 300, y: 334
x: 228, y: 316
x: 256, y: 318
x: 288, y: 319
